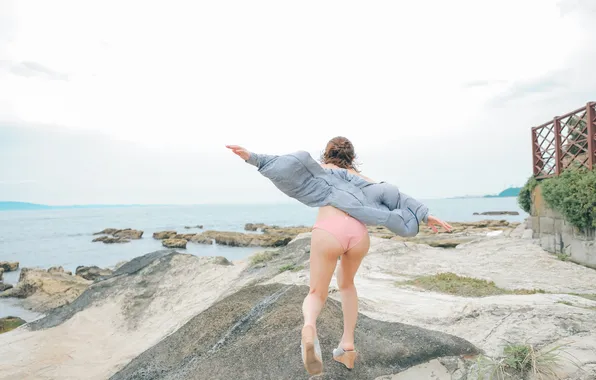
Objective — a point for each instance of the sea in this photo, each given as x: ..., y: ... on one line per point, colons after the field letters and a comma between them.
x: 63, y: 236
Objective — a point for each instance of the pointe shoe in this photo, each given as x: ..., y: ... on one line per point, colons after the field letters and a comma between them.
x: 347, y: 358
x: 311, y: 351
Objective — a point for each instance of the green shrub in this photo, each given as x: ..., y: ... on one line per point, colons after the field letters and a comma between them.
x: 573, y: 194
x: 524, y: 198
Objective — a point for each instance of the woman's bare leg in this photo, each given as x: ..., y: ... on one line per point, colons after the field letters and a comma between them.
x: 324, y: 251
x: 349, y: 264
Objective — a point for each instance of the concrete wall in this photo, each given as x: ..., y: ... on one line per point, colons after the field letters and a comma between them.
x: 556, y: 235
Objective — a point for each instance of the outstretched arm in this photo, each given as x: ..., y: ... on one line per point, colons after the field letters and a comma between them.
x: 258, y: 160
x: 403, y: 221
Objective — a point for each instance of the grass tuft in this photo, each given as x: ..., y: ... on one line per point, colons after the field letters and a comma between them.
x: 451, y: 283
x: 591, y: 297
x: 522, y: 360
x: 10, y: 323
x: 291, y: 267
x: 262, y: 257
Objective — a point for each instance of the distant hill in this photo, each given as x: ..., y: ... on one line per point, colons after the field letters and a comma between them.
x: 509, y: 192
x: 4, y: 206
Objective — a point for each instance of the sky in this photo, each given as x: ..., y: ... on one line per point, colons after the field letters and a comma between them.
x: 131, y: 102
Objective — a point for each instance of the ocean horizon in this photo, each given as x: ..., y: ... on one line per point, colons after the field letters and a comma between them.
x: 23, y: 205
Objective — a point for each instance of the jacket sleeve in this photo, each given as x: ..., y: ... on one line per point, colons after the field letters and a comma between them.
x: 394, y: 199
x: 400, y: 222
x: 260, y: 160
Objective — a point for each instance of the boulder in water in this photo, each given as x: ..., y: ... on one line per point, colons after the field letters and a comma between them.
x: 254, y: 226
x: 4, y: 286
x: 186, y: 237
x: 9, y: 266
x: 128, y: 233
x: 174, y: 243
x: 45, y: 290
x: 107, y: 231
x: 164, y: 235
x: 114, y: 235
x: 1, y: 273
x: 239, y: 239
x: 111, y: 240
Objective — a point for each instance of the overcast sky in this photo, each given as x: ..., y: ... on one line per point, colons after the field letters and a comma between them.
x: 131, y: 102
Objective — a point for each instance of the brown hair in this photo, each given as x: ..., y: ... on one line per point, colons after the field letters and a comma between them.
x: 340, y: 152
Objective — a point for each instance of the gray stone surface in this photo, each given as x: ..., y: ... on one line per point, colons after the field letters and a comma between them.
x: 535, y: 223
x: 558, y: 236
x: 528, y: 234
x: 547, y: 241
x: 261, y: 324
x: 584, y: 252
x: 547, y: 225
x: 108, y: 286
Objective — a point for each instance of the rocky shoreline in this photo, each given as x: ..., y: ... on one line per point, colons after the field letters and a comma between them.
x: 172, y: 315
x: 43, y: 290
x: 262, y: 235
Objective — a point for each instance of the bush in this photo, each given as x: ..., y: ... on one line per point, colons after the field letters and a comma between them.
x: 573, y: 194
x: 524, y: 198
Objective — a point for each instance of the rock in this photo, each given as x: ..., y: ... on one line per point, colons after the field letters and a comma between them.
x: 59, y: 270
x: 432, y: 370
x: 1, y: 273
x: 199, y: 226
x: 174, y: 243
x: 164, y: 235
x: 115, y: 320
x: 119, y: 264
x: 272, y: 237
x: 183, y: 316
x: 111, y: 240
x: 220, y: 260
x: 4, y: 287
x: 44, y: 290
x: 107, y: 231
x: 462, y: 233
x: 497, y: 213
x: 92, y: 273
x: 254, y: 226
x: 528, y: 235
x: 118, y: 235
x: 265, y: 321
x: 10, y: 323
x: 439, y: 240
x: 128, y: 234
x: 186, y: 237
x: 448, y: 243
x: 9, y: 266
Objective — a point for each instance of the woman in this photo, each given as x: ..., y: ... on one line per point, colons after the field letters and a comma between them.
x: 339, y: 231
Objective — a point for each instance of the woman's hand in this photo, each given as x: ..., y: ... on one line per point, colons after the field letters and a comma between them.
x: 239, y: 151
x: 433, y: 222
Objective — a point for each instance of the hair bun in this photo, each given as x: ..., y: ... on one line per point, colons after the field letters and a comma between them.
x: 340, y: 152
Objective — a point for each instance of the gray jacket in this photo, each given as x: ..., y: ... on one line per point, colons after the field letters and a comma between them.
x: 300, y: 177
